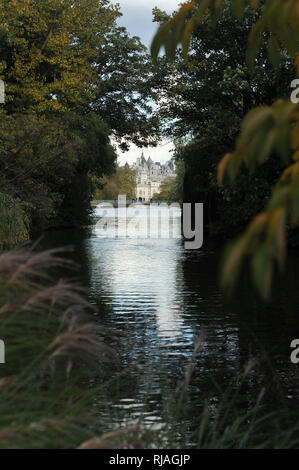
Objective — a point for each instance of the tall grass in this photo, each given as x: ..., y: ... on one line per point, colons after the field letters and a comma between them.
x: 52, y: 350
x: 228, y: 422
x: 222, y: 416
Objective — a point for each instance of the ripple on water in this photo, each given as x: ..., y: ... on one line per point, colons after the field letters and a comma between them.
x: 156, y: 298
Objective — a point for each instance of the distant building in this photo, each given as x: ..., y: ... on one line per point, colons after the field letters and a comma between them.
x: 150, y: 175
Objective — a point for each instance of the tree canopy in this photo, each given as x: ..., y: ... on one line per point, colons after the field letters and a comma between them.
x: 47, y: 51
x: 125, y: 92
x: 76, y: 85
x: 268, y: 133
x: 122, y: 182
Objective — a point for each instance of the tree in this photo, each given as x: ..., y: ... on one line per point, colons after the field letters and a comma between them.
x: 14, y: 226
x: 47, y: 51
x: 73, y: 80
x: 171, y: 189
x: 122, y: 182
x: 51, y: 141
x: 125, y: 92
x: 204, y: 100
x: 45, y: 164
x: 166, y: 190
x: 266, y: 132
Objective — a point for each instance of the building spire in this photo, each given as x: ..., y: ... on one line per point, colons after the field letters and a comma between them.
x: 142, y: 158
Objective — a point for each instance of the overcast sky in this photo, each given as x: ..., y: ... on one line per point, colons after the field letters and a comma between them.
x: 137, y: 18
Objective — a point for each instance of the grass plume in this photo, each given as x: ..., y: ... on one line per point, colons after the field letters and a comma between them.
x: 52, y: 348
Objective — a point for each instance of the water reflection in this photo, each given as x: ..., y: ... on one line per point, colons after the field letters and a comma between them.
x: 140, y: 274
x: 138, y: 221
x: 156, y: 298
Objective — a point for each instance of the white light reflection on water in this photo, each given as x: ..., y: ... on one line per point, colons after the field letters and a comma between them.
x: 140, y: 273
x: 138, y: 221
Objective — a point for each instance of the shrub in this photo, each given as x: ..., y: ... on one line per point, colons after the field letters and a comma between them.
x: 13, y: 222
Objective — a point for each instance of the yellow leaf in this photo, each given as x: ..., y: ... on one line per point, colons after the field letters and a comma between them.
x: 258, y: 224
x: 189, y: 28
x: 277, y: 235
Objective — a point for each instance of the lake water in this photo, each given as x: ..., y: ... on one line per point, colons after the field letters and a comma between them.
x: 155, y: 297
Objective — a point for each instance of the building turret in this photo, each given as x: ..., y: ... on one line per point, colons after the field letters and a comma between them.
x: 150, y: 174
x: 149, y: 162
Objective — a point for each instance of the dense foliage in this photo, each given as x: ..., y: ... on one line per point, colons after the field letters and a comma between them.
x: 122, y: 182
x: 73, y: 80
x: 13, y: 227
x: 126, y: 90
x: 205, y: 100
x: 268, y: 136
x: 171, y: 189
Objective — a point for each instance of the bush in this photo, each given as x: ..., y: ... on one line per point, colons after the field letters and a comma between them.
x: 13, y: 222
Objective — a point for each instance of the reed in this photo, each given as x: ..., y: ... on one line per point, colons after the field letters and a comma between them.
x: 227, y: 423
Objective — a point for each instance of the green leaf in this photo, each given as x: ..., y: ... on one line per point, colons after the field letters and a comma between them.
x: 232, y: 262
x: 159, y: 40
x: 279, y: 198
x: 262, y: 270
